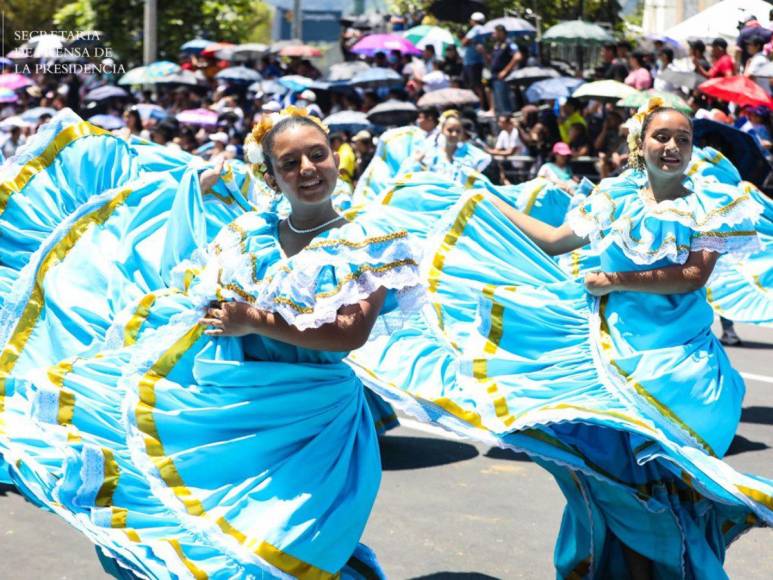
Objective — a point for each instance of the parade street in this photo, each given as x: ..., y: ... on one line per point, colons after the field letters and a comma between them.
x: 446, y: 509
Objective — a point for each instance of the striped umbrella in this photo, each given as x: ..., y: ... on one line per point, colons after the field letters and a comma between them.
x: 640, y: 98
x: 15, y: 81
x: 438, y: 37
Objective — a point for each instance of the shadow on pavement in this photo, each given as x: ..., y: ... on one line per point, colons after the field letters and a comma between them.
x: 508, y: 454
x: 751, y: 344
x: 762, y: 415
x: 6, y: 488
x: 455, y: 576
x: 742, y: 445
x: 399, y: 453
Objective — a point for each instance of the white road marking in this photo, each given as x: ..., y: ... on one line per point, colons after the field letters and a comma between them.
x: 759, y: 378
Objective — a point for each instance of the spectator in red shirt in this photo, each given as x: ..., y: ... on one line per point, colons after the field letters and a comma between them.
x: 723, y: 63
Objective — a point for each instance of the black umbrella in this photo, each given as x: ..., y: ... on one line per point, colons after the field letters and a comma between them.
x: 530, y: 74
x: 393, y: 112
x: 740, y: 148
x: 455, y: 11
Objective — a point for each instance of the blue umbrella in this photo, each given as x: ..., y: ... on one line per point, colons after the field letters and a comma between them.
x: 296, y: 83
x: 5, y: 61
x: 742, y: 149
x: 106, y: 92
x: 351, y: 121
x: 32, y: 115
x: 109, y: 122
x: 549, y: 89
x: 376, y: 76
x: 239, y: 74
x: 195, y: 46
x: 268, y: 86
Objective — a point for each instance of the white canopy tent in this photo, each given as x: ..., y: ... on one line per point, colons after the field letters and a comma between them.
x: 720, y: 20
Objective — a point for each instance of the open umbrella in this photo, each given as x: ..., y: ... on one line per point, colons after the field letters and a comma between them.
x: 296, y: 83
x: 604, y: 90
x: 738, y: 89
x: 15, y: 81
x: 393, y: 112
x: 435, y: 81
x: 343, y: 71
x: 109, y: 122
x: 43, y: 46
x: 216, y: 47
x: 239, y: 74
x: 195, y: 46
x: 444, y: 98
x: 578, y: 33
x: 300, y: 51
x: 681, y: 78
x: 374, y: 43
x: 184, y: 77
x: 150, y: 111
x: 203, y: 117
x: 455, y: 11
x: 376, y: 77
x: 351, y: 121
x: 268, y: 86
x: 551, y: 89
x: 8, y: 96
x: 32, y: 115
x: 742, y: 149
x: 515, y: 26
x: 438, y: 37
x: 530, y: 74
x: 634, y: 101
x: 150, y: 74
x: 248, y: 51
x: 106, y: 92
x: 5, y: 61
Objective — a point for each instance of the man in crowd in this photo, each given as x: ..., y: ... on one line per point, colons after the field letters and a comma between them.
x: 428, y: 121
x: 723, y: 65
x: 472, y: 70
x: 611, y: 68
x: 347, y: 160
x: 364, y: 150
x: 508, y: 143
x: 504, y: 58
x: 757, y: 62
x: 570, y: 115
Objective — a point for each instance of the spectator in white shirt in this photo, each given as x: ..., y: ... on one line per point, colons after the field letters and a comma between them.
x: 508, y: 143
x: 666, y: 58
x: 756, y: 63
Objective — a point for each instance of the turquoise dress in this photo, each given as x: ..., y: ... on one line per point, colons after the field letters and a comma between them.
x: 178, y: 454
x: 628, y: 400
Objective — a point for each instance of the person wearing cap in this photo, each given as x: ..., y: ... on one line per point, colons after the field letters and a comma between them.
x: 723, y: 65
x: 756, y: 62
x: 472, y: 69
x: 364, y: 150
x: 505, y: 56
x: 308, y: 99
x: 758, y: 125
x: 558, y: 171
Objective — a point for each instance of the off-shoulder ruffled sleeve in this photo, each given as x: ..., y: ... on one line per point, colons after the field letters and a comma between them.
x: 715, y: 216
x: 342, y: 267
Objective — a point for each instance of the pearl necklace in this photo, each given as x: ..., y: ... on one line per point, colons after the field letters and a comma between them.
x: 314, y: 229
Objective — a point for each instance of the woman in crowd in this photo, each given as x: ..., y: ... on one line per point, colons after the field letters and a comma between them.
x: 558, y: 171
x: 450, y: 150
x: 151, y: 375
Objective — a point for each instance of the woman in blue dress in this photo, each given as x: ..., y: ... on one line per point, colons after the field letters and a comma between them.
x: 449, y: 150
x: 180, y: 396
x: 616, y: 386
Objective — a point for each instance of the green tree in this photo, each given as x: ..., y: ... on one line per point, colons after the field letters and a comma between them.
x: 178, y: 21
x: 26, y: 15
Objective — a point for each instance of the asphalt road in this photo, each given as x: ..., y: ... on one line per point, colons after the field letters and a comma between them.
x: 447, y: 509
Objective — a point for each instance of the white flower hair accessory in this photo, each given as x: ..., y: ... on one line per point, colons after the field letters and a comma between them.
x: 634, y: 126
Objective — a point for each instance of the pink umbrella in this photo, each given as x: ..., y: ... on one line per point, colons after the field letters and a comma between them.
x: 385, y: 43
x: 198, y: 117
x: 15, y: 81
x: 301, y: 51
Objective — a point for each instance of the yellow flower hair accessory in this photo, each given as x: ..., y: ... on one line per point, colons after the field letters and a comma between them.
x: 445, y: 115
x: 253, y: 144
x: 634, y: 126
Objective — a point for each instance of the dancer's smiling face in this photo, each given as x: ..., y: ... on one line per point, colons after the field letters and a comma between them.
x: 667, y: 143
x: 302, y: 164
x: 453, y: 130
